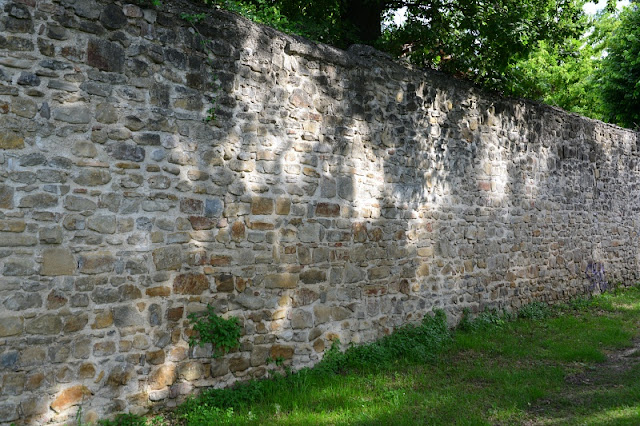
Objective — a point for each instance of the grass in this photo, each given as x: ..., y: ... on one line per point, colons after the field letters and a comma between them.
x: 570, y: 364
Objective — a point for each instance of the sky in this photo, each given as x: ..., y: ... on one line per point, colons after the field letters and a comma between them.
x: 590, y: 8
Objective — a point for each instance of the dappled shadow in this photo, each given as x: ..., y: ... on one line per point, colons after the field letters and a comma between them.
x: 317, y: 195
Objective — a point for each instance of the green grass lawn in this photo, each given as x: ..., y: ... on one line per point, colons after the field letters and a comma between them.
x: 573, y: 364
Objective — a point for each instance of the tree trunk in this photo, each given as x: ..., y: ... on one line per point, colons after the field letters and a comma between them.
x: 365, y: 17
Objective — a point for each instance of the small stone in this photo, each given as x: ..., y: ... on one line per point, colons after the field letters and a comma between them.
x: 104, y: 224
x: 162, y: 377
x: 112, y: 17
x: 93, y: 177
x: 126, y: 316
x: 105, y: 55
x: 96, y: 263
x: 12, y: 225
x: 6, y: 196
x: 104, y: 348
x: 85, y: 149
x: 74, y: 203
x: 56, y: 300
x: 120, y: 375
x: 191, y: 206
x: 250, y: 302
x: 8, y: 412
x: 281, y: 351
x: 168, y: 258
x: 28, y: 79
x: 327, y: 210
x: 313, y: 276
x: 301, y: 319
x: 190, y: 284
x: 10, y: 140
x: 69, y: 397
x: 158, y: 292
x: 86, y: 371
x: 57, y: 32
x: 127, y: 152
x: 57, y: 261
x: 19, y: 267
x: 73, y: 114
x: 103, y: 319
x: 283, y: 206
x: 261, y: 206
x: 199, y: 223
x: 224, y: 283
x: 24, y: 108
x: 10, y: 326
x: 155, y: 357
x: 76, y: 323
x: 283, y: 280
x: 237, y: 231
x: 16, y: 240
x: 191, y: 371
x: 239, y: 363
x: 46, y: 324
x: 213, y: 207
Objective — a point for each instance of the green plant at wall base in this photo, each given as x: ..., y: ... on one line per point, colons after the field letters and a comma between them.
x: 223, y: 334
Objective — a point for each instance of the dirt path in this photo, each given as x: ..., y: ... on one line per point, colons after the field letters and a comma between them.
x: 593, y: 390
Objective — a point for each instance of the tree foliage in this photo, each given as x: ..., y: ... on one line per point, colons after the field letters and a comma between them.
x: 620, y: 74
x: 547, y: 50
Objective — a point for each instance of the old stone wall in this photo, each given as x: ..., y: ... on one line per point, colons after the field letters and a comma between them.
x: 313, y: 193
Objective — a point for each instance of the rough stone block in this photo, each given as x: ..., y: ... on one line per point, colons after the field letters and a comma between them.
x: 283, y: 280
x: 57, y: 261
x: 10, y: 326
x: 105, y: 55
x: 261, y: 206
x: 190, y: 284
x: 10, y: 140
x: 96, y: 263
x: 6, y: 197
x: 69, y: 397
x: 47, y: 324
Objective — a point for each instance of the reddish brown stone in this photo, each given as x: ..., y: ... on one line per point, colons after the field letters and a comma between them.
x: 220, y: 260
x: 224, y: 282
x: 69, y: 397
x: 162, y: 377
x: 281, y: 351
x: 327, y: 209
x: 155, y: 357
x: 200, y: 223
x: 237, y: 231
x: 158, y: 292
x: 190, y: 284
x: 86, y: 371
x: 359, y: 232
x: 261, y: 205
x: 103, y: 319
x: 175, y: 314
x: 261, y: 226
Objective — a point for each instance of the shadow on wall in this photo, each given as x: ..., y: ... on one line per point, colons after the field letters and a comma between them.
x: 332, y: 195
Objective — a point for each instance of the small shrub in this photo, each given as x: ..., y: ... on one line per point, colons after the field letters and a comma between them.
x: 223, y: 334
x: 486, y: 319
x: 535, y: 311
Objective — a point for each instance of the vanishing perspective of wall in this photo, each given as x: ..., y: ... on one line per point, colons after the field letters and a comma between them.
x: 313, y: 193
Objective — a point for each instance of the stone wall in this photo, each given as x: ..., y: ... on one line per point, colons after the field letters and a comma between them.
x: 313, y: 193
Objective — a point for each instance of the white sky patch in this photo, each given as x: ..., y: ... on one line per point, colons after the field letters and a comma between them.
x: 593, y: 8
x: 399, y: 16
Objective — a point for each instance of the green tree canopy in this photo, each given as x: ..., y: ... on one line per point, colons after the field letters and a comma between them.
x: 620, y: 73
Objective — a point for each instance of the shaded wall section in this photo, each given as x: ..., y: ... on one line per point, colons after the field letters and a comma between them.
x: 149, y: 168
